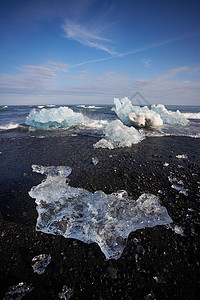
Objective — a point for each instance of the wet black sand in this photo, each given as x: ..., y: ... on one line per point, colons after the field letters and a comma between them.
x: 157, y: 263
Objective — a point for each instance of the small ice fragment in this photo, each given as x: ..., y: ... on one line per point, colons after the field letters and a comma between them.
x: 180, y: 156
x: 18, y: 291
x: 165, y: 164
x: 177, y: 229
x: 40, y: 262
x: 103, y: 143
x: 159, y: 279
x: 95, y: 160
x: 160, y: 192
x: 177, y: 188
x: 66, y: 293
x: 150, y: 296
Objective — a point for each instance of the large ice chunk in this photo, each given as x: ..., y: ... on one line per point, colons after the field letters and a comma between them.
x: 119, y: 135
x: 54, y: 118
x: 92, y: 217
x: 170, y: 117
x: 135, y: 115
x: 156, y: 116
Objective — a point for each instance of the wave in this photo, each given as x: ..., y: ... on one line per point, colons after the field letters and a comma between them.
x: 9, y: 126
x: 89, y: 106
x: 195, y: 116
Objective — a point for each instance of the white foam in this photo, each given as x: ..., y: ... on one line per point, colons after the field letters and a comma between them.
x: 89, y: 106
x: 106, y: 219
x: 9, y: 126
x: 95, y: 124
x: 195, y: 116
x: 119, y: 135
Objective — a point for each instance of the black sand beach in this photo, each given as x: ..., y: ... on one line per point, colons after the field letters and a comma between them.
x: 157, y: 263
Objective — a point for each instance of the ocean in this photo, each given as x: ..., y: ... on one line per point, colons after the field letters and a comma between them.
x: 97, y: 208
x: 12, y: 122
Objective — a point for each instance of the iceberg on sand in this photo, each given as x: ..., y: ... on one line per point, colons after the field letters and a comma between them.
x: 106, y: 219
x: 119, y: 135
x: 54, y: 118
x: 137, y: 116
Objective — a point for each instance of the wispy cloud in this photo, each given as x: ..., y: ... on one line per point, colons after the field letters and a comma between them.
x: 147, y: 62
x: 138, y: 50
x: 85, y: 36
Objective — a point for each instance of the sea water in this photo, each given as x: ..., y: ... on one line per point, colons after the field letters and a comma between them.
x: 18, y: 121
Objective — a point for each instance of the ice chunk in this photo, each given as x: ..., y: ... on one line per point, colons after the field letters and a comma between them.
x: 106, y: 219
x: 170, y: 117
x: 54, y: 118
x: 95, y: 160
x: 103, y: 143
x: 180, y: 156
x: 177, y: 229
x: 178, y: 185
x: 40, y: 262
x: 156, y: 116
x: 66, y: 293
x: 165, y: 164
x: 18, y: 291
x: 119, y: 135
x: 135, y: 115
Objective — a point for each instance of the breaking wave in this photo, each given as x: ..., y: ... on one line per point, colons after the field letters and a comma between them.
x: 92, y: 217
x: 9, y: 126
x: 195, y: 116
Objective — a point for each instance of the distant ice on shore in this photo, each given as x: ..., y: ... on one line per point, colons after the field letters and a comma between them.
x: 106, y: 219
x: 156, y: 116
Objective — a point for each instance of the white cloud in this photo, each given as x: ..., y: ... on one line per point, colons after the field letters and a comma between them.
x: 85, y: 36
x: 43, y: 81
x: 31, y: 79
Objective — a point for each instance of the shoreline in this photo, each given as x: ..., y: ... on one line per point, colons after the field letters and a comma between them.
x: 157, y: 263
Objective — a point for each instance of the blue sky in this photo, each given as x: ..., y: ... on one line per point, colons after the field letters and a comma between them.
x: 87, y: 51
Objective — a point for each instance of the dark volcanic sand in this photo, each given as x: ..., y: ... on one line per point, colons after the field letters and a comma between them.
x: 160, y: 264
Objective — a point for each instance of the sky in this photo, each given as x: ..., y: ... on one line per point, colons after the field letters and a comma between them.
x: 91, y: 51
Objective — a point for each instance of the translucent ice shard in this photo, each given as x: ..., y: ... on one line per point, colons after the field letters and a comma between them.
x: 106, y: 219
x: 18, y: 291
x: 40, y: 262
x: 54, y: 118
x: 66, y: 293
